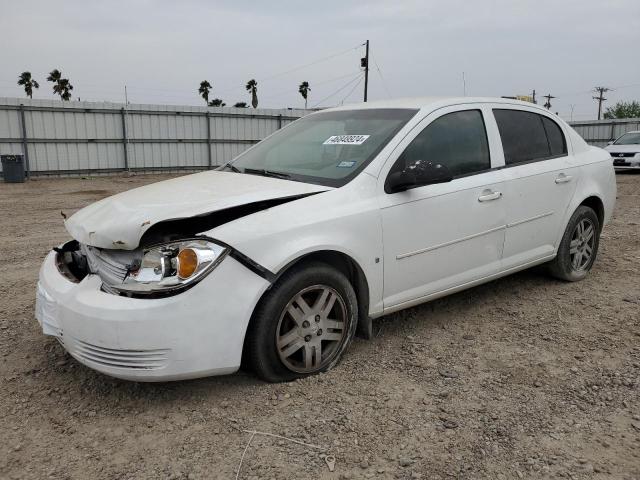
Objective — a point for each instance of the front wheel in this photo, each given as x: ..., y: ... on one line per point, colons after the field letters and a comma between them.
x: 303, y: 325
x: 579, y: 246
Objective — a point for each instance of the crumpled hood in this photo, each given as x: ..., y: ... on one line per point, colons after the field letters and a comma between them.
x: 118, y: 222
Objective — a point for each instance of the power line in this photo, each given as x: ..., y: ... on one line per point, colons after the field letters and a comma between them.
x: 359, y: 77
x: 351, y: 91
x: 300, y: 67
x: 314, y: 84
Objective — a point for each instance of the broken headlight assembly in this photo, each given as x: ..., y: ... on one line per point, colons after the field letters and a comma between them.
x: 170, y: 266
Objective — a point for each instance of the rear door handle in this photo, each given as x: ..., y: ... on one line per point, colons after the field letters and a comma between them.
x: 487, y: 197
x: 562, y: 178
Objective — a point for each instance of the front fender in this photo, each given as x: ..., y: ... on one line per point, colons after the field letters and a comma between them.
x: 345, y: 220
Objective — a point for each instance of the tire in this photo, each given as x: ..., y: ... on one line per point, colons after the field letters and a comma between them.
x: 303, y: 324
x: 576, y: 242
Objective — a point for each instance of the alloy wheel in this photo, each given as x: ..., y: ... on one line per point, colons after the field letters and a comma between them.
x: 582, y: 244
x: 312, y: 329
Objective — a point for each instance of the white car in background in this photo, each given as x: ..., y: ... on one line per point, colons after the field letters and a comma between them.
x: 277, y: 258
x: 625, y: 151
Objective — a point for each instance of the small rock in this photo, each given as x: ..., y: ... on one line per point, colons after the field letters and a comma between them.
x: 405, y: 462
x: 224, y: 404
x: 364, y: 464
x: 448, y: 373
x: 574, y: 369
x: 448, y: 423
x: 468, y: 337
x: 537, y: 383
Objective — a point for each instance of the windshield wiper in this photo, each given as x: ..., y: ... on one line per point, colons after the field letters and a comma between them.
x: 266, y: 173
x: 231, y: 167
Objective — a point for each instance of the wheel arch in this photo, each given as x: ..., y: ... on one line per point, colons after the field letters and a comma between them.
x: 352, y: 270
x: 343, y: 263
x: 597, y: 205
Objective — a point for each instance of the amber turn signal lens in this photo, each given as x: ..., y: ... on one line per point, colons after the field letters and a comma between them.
x: 187, y: 263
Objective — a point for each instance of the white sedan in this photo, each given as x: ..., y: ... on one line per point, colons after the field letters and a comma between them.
x: 274, y: 260
x: 625, y: 151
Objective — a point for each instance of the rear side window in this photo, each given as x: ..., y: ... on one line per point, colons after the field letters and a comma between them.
x: 457, y: 140
x: 528, y: 136
x: 554, y: 135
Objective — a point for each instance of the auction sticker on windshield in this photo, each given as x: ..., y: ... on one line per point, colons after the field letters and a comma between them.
x: 346, y: 140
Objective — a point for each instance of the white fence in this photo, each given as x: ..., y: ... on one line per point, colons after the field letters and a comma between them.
x: 59, y: 138
x: 601, y: 132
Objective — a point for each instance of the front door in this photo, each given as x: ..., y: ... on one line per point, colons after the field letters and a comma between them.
x: 442, y: 236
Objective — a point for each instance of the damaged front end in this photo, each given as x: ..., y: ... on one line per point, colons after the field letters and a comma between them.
x: 157, y: 270
x: 152, y: 256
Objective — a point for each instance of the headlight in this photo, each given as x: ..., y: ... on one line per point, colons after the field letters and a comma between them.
x: 172, y: 266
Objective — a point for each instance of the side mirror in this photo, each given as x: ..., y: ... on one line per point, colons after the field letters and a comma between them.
x: 610, y: 142
x: 417, y: 174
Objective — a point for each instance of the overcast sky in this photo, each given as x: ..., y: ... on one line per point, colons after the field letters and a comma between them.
x: 162, y: 49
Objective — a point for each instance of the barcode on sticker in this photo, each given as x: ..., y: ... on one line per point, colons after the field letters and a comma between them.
x: 346, y: 140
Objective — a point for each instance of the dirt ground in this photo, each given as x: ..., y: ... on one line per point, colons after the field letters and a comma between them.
x: 525, y: 377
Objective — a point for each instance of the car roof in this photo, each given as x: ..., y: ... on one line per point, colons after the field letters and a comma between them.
x: 432, y: 103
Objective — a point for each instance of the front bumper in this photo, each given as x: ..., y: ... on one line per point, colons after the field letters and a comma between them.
x: 196, y: 333
x: 628, y: 163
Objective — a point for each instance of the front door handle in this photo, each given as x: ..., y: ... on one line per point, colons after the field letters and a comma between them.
x: 487, y: 197
x: 562, y: 178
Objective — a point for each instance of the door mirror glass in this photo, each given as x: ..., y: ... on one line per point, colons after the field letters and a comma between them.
x: 610, y: 142
x: 418, y: 174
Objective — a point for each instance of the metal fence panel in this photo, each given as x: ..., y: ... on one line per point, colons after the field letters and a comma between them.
x: 85, y: 137
x: 600, y: 132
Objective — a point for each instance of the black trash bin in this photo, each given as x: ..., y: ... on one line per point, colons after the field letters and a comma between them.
x: 13, y: 168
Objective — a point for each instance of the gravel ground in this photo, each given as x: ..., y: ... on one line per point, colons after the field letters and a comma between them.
x: 525, y: 377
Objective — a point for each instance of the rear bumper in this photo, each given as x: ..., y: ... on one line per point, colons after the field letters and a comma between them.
x: 196, y: 333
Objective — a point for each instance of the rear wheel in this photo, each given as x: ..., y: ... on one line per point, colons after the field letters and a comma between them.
x: 579, y: 246
x: 303, y: 325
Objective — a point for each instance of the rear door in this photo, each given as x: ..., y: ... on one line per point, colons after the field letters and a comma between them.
x: 540, y: 180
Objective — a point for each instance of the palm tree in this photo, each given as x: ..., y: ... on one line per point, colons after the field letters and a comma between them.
x: 304, y: 90
x: 28, y: 83
x: 205, y: 88
x: 252, y: 87
x: 240, y: 105
x: 217, y: 102
x: 65, y: 89
x: 61, y: 86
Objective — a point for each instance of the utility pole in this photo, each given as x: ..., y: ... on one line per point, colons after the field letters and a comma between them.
x: 364, y: 63
x: 600, y: 98
x: 464, y: 85
x: 533, y: 96
x: 548, y: 104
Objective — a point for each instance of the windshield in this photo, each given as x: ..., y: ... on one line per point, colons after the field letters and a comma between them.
x: 632, y: 138
x: 327, y: 148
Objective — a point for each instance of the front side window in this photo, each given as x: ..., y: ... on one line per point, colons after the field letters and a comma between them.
x: 528, y: 136
x: 456, y: 140
x: 632, y: 138
x: 327, y: 148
